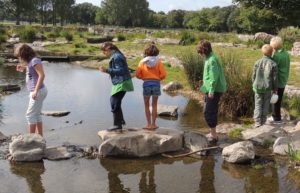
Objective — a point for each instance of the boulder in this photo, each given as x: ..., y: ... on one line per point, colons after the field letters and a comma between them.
x: 172, y: 86
x: 55, y: 113
x: 139, y: 142
x: 195, y: 141
x: 263, y: 133
x: 167, y: 110
x: 10, y: 88
x: 28, y: 147
x: 263, y: 36
x: 57, y: 153
x: 225, y: 128
x: 240, y: 152
x: 280, y: 146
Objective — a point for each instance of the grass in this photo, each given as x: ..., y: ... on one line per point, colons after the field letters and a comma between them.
x: 293, y: 154
x: 235, y: 133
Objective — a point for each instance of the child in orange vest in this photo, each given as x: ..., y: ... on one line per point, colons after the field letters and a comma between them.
x: 151, y: 70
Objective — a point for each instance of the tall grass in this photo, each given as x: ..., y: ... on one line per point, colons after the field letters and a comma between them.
x: 193, y: 66
x: 292, y: 105
x: 27, y: 34
x: 238, y: 100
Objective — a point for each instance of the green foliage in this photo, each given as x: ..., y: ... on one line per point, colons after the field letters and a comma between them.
x: 175, y: 19
x: 235, y: 133
x: 290, y: 33
x: 80, y: 45
x: 27, y: 34
x: 292, y: 153
x: 193, y: 67
x: 238, y: 100
x: 158, y: 34
x: 256, y: 43
x: 268, y: 143
x: 67, y: 35
x: 84, y: 13
x: 187, y: 38
x: 2, y: 38
x: 121, y: 37
x: 292, y: 105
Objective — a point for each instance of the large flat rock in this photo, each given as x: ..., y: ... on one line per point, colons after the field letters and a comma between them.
x: 167, y: 110
x: 140, y: 142
x: 55, y: 113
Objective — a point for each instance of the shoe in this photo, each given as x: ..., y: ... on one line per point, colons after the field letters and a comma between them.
x: 256, y: 125
x: 115, y: 128
x: 211, y: 139
x: 123, y: 122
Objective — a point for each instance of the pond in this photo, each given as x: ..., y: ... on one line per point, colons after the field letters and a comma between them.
x: 86, y: 92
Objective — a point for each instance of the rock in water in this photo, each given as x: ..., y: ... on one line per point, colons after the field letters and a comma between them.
x: 28, y: 147
x: 57, y: 153
x: 56, y: 113
x: 139, y: 142
x: 165, y: 110
x: 195, y: 141
x: 239, y: 152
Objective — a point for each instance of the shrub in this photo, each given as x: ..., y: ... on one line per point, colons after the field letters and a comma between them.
x: 187, y: 38
x: 238, y: 100
x: 27, y: 34
x: 80, y: 45
x: 2, y: 38
x: 67, y: 35
x: 291, y: 34
x: 121, y: 37
x: 193, y: 65
x: 292, y: 105
x: 159, y: 34
x: 292, y: 153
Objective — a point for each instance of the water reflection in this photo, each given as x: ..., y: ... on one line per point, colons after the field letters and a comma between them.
x: 32, y: 173
x: 207, y: 175
x: 255, y: 180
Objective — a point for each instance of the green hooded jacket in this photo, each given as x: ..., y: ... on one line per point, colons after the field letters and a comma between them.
x: 213, y: 76
x: 282, y: 59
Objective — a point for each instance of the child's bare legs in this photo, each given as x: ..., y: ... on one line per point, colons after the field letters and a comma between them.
x: 36, y: 128
x: 147, y: 111
x: 154, y: 111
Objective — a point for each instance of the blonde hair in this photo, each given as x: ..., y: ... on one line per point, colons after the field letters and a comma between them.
x: 276, y: 42
x: 267, y: 50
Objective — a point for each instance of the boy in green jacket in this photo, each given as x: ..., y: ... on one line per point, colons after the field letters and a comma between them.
x: 264, y: 78
x: 282, y: 59
x: 214, y: 84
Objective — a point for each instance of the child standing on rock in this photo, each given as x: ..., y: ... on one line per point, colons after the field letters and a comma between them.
x: 121, y: 80
x: 282, y: 59
x: 264, y: 78
x: 151, y: 70
x: 35, y: 84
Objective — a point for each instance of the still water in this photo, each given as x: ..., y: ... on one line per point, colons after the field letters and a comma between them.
x: 86, y: 93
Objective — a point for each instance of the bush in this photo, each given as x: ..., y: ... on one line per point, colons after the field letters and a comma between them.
x: 27, y: 34
x: 291, y: 34
x: 256, y: 43
x: 80, y: 45
x: 121, y: 37
x: 67, y: 35
x: 193, y: 66
x: 2, y: 38
x: 292, y: 105
x: 238, y: 100
x: 187, y: 38
x: 159, y: 34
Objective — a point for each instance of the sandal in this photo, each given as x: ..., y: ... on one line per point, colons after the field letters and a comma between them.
x: 211, y: 139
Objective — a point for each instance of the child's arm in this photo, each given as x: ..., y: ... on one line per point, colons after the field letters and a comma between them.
x: 162, y: 71
x: 254, y: 72
x: 275, y: 77
x: 40, y: 71
x: 138, y: 72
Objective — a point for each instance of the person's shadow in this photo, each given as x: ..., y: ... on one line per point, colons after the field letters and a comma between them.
x: 32, y: 173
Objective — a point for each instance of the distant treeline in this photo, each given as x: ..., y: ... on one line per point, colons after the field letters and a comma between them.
x: 244, y: 16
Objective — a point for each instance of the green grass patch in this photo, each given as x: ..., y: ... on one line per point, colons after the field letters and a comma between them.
x: 268, y: 143
x: 235, y: 133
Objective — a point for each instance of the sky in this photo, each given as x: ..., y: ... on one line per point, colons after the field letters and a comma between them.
x: 167, y: 5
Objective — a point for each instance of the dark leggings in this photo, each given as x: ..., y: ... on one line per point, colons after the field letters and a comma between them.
x: 116, y: 102
x: 211, y: 107
x: 277, y: 106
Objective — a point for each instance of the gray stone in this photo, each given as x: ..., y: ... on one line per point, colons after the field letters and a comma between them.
x: 225, y: 128
x: 292, y: 91
x: 281, y: 145
x: 167, y: 110
x: 263, y: 133
x: 195, y: 141
x: 139, y: 142
x: 27, y: 147
x: 56, y: 113
x: 245, y: 37
x: 57, y: 153
x: 263, y: 36
x: 172, y: 86
x: 240, y: 152
x: 296, y: 49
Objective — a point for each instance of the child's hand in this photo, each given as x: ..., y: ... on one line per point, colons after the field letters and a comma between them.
x: 34, y: 95
x: 211, y: 95
x: 20, y: 68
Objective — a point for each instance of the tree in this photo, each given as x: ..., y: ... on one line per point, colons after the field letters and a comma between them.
x: 288, y: 10
x: 64, y: 9
x: 128, y: 13
x: 100, y: 17
x: 84, y: 13
x: 175, y: 18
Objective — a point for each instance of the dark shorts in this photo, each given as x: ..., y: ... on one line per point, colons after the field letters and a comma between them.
x: 151, y: 91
